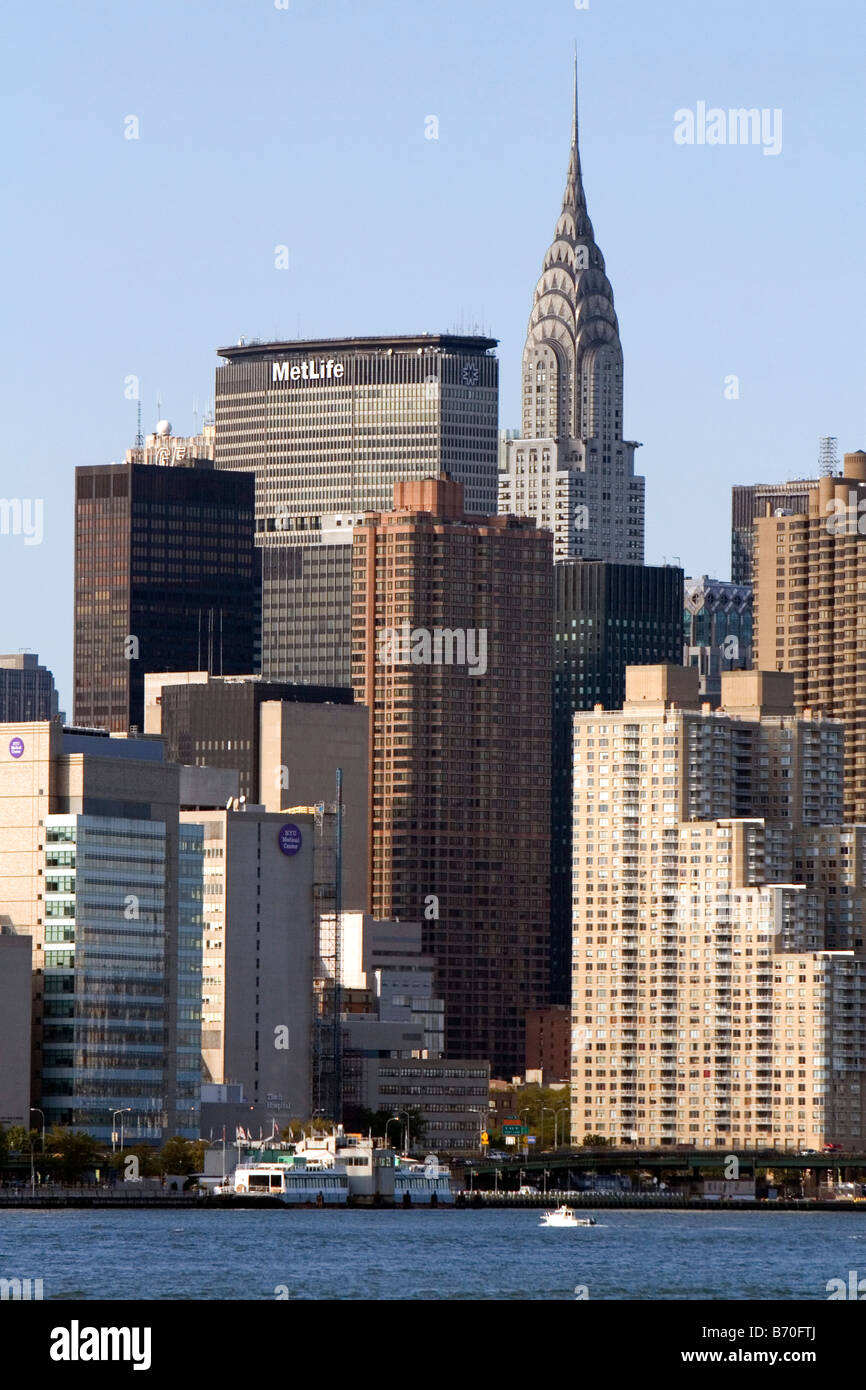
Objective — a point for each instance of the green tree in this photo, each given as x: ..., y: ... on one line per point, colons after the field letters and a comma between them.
x: 72, y: 1154
x: 596, y: 1141
x: 528, y: 1103
x: 181, y: 1156
x: 21, y: 1140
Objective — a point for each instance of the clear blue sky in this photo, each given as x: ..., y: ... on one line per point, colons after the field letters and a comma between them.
x: 305, y: 127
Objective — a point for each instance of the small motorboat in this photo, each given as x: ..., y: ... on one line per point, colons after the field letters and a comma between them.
x: 564, y: 1216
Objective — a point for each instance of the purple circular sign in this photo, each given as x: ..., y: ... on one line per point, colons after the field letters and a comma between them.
x: 290, y: 839
x: 16, y: 747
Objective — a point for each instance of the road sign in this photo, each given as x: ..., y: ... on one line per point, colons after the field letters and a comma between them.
x: 485, y: 1138
x: 510, y: 1139
x: 514, y: 1129
x: 530, y: 1139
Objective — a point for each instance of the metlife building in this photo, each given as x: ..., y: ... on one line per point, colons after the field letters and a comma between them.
x: 329, y: 426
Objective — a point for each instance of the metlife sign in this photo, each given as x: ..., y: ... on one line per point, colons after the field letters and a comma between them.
x: 309, y: 369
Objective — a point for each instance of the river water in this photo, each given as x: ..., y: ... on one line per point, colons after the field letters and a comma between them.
x: 425, y: 1254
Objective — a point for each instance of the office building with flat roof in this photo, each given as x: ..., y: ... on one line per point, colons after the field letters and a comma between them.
x: 258, y: 941
x: 96, y: 869
x: 166, y: 578
x: 27, y: 690
x: 328, y: 426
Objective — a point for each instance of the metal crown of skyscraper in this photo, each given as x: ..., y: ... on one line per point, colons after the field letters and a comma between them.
x: 573, y: 312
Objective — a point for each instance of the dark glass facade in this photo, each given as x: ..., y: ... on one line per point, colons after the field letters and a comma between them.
x: 607, y: 617
x: 26, y: 689
x: 166, y: 579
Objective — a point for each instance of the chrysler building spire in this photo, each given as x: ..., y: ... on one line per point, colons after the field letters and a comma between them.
x: 573, y: 399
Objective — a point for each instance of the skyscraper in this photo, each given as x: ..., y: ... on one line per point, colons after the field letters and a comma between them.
x: 571, y: 469
x: 452, y: 653
x: 329, y: 426
x: 165, y: 577
x: 719, y: 971
x: 606, y: 617
x: 810, y: 577
x: 27, y: 689
x: 749, y: 501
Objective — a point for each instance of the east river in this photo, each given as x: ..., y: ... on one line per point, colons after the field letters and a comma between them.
x: 430, y: 1255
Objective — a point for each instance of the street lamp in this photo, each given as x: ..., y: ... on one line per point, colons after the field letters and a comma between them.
x: 127, y: 1110
x: 34, y: 1110
x: 480, y: 1112
x: 520, y: 1113
x: 387, y: 1123
x: 223, y: 1142
x: 549, y: 1111
x: 398, y: 1115
x: 556, y: 1115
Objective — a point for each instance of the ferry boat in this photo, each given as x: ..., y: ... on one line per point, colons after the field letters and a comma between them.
x: 326, y: 1169
x: 425, y: 1182
x: 294, y: 1182
x: 564, y: 1216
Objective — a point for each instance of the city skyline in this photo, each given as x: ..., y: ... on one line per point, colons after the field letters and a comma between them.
x: 152, y: 295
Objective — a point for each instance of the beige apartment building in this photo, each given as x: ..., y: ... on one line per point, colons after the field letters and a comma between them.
x: 719, y: 978
x: 810, y: 585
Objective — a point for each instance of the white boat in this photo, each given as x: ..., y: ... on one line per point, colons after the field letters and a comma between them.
x: 294, y: 1182
x: 564, y: 1216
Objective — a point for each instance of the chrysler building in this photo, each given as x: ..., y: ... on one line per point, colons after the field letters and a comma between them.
x: 571, y: 469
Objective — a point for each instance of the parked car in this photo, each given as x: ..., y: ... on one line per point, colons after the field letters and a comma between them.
x: 832, y: 1149
x: 805, y: 1153
x: 527, y: 1191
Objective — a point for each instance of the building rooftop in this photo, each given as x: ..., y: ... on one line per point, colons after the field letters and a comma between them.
x: 412, y: 342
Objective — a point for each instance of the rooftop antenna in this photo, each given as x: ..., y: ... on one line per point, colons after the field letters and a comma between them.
x: 139, y: 437
x: 828, y: 455
x: 195, y: 414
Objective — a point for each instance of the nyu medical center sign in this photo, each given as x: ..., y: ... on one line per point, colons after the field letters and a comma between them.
x: 309, y: 369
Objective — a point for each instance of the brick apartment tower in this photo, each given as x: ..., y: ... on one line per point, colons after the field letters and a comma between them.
x: 460, y: 750
x: 810, y: 581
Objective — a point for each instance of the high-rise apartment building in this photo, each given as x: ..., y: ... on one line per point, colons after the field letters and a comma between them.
x: 717, y: 631
x: 97, y: 870
x: 166, y: 577
x: 718, y: 920
x: 606, y: 617
x: 810, y: 579
x: 329, y: 426
x: 27, y: 690
x: 452, y: 655
x: 753, y: 500
x: 572, y: 469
